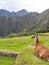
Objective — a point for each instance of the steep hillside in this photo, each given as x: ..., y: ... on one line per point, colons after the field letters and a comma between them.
x: 28, y: 23
x: 16, y: 24
x: 41, y: 22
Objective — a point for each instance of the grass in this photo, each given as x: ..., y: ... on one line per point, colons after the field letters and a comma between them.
x: 18, y: 44
x: 4, y: 60
x: 15, y: 44
x: 28, y: 58
x: 44, y: 33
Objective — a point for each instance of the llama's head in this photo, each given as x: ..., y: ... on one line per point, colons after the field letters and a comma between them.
x: 36, y: 38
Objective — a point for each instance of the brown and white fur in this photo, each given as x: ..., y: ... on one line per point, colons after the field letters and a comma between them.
x: 40, y: 50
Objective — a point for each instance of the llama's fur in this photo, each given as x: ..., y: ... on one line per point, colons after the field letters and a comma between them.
x: 40, y: 50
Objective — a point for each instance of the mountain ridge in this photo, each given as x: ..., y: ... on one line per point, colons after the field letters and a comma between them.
x: 8, y: 13
x: 26, y: 24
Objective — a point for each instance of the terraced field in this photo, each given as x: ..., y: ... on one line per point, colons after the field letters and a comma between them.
x: 20, y: 44
x: 15, y: 44
x: 28, y: 58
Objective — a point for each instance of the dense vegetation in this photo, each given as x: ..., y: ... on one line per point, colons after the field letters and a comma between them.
x: 15, y: 24
x: 24, y: 25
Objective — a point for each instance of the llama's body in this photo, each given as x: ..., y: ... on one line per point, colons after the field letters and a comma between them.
x: 40, y: 50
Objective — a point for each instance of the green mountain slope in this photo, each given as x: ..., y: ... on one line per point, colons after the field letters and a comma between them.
x: 41, y: 22
x: 29, y: 23
x: 16, y: 24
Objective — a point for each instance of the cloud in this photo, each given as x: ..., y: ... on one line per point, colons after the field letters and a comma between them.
x: 8, y: 4
x: 30, y: 5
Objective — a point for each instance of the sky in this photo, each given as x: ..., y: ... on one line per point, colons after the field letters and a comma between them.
x: 30, y: 5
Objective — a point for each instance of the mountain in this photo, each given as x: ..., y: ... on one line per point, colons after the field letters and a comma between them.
x: 8, y: 13
x: 16, y: 24
x: 4, y: 12
x: 41, y: 22
x: 22, y: 12
x: 31, y: 22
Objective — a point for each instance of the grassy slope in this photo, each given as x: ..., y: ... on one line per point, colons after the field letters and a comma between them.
x: 18, y: 44
x: 28, y: 58
x: 15, y: 44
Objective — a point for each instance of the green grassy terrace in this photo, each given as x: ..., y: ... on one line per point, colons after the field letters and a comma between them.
x: 18, y: 44
x: 28, y: 58
x: 15, y: 44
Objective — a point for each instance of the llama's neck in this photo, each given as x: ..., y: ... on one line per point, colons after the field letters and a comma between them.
x: 36, y: 40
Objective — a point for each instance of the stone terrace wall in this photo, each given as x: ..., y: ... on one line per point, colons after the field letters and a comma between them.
x: 8, y: 53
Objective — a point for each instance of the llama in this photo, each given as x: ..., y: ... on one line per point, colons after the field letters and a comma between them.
x: 40, y: 50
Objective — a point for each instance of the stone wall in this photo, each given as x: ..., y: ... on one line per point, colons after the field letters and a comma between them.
x: 8, y: 53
